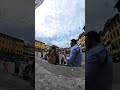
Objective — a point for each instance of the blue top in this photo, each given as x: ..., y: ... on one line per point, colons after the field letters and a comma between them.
x: 98, y: 76
x: 75, y: 58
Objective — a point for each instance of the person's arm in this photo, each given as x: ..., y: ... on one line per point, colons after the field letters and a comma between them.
x: 71, y: 57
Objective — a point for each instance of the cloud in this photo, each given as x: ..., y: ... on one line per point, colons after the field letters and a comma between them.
x: 58, y: 21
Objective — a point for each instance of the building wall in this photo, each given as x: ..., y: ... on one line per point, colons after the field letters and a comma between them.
x: 6, y: 44
x: 29, y: 50
x: 11, y: 45
x: 111, y: 35
x: 81, y: 41
x: 115, y: 36
x: 19, y: 47
x: 40, y: 45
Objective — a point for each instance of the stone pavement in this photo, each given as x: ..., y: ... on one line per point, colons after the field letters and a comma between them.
x: 56, y: 77
x: 116, y: 76
x: 10, y: 82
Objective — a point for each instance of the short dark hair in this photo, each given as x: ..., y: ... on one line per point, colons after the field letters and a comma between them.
x: 53, y: 47
x: 93, y: 35
x: 73, y: 40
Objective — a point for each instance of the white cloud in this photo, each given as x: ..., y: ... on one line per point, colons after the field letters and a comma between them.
x: 59, y: 20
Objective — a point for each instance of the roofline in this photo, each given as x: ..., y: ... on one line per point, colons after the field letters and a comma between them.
x: 12, y: 37
x: 39, y: 41
x: 81, y: 35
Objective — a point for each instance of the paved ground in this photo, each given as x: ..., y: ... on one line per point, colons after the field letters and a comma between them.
x: 56, y: 77
x: 9, y: 82
x: 116, y: 78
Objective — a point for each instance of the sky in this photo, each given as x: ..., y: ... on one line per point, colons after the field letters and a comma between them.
x: 97, y: 12
x: 59, y: 21
x: 17, y: 18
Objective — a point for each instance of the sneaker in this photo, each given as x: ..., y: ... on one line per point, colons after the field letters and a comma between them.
x: 65, y: 64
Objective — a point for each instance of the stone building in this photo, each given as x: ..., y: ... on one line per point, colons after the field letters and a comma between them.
x: 11, y: 45
x: 29, y: 50
x: 81, y: 41
x: 40, y: 45
x: 110, y: 36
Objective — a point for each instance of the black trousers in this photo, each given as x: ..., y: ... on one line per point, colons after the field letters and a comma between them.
x: 57, y: 60
x: 16, y: 70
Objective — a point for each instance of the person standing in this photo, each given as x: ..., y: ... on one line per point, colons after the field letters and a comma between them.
x: 33, y: 73
x: 17, y: 66
x: 42, y: 54
x: 75, y: 56
x: 57, y: 56
x: 98, y: 64
x: 5, y: 66
x: 52, y: 55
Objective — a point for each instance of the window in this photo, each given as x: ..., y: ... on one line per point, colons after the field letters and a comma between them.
x: 116, y: 45
x: 119, y: 20
x: 113, y: 47
x: 114, y: 34
x: 115, y: 24
x: 111, y: 36
x: 117, y: 32
x: 119, y: 43
x: 112, y: 27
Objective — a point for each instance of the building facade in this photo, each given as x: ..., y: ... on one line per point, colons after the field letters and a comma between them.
x: 39, y: 45
x: 110, y: 36
x: 11, y: 45
x: 29, y: 50
x: 106, y: 36
x: 81, y: 41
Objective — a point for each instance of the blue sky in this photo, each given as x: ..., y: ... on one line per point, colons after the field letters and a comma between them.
x: 59, y: 21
